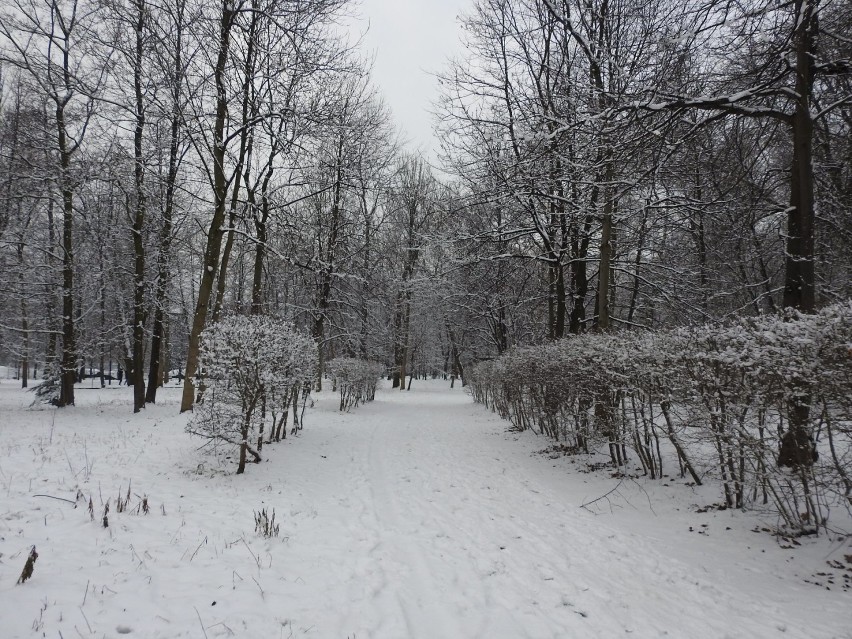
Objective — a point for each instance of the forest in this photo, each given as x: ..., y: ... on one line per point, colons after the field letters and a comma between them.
x: 637, y: 205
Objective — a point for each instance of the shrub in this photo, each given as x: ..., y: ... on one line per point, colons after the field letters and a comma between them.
x: 355, y: 379
x: 252, y: 366
x: 47, y: 392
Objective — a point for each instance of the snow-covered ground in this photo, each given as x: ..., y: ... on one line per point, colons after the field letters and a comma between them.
x: 417, y: 515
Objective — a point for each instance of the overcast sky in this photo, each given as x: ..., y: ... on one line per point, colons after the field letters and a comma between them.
x: 410, y: 39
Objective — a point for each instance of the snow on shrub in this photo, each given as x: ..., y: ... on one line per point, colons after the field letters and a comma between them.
x: 253, y: 366
x: 355, y: 379
x: 764, y: 404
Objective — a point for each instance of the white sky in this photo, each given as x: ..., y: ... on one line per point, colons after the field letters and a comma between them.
x: 410, y: 39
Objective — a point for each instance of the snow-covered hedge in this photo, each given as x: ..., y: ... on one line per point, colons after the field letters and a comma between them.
x: 254, y: 367
x: 763, y: 404
x: 355, y: 379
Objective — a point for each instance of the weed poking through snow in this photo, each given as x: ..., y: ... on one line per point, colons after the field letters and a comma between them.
x: 121, y: 504
x: 29, y: 566
x: 264, y: 525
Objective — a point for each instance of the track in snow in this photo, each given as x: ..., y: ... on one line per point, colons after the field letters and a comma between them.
x: 467, y: 535
x: 415, y: 516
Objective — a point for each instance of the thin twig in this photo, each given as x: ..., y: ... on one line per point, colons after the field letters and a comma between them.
x: 604, y: 496
x: 256, y: 560
x: 647, y: 496
x: 201, y: 622
x: 91, y: 632
x: 203, y: 541
x: 259, y: 588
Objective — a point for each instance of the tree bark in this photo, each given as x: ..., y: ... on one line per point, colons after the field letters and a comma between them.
x: 244, y: 160
x: 139, y: 220
x: 68, y: 372
x: 603, y: 322
x: 156, y: 375
x: 261, y: 232
x: 800, y: 276
x: 25, y: 330
x: 220, y: 190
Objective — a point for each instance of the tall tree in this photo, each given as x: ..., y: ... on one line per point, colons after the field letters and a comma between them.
x: 52, y: 45
x: 780, y: 79
x: 307, y: 27
x: 170, y: 33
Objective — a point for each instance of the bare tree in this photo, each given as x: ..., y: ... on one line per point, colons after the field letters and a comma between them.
x: 170, y: 33
x: 779, y: 80
x: 50, y: 44
x: 305, y: 37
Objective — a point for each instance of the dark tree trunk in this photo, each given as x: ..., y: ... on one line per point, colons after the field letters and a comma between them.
x: 156, y: 374
x: 244, y: 160
x: 326, y: 275
x: 800, y: 277
x: 139, y: 221
x: 68, y: 372
x: 220, y: 191
x: 799, y: 282
x: 604, y: 269
x: 25, y: 331
x: 50, y: 354
x: 579, y: 270
x: 260, y: 247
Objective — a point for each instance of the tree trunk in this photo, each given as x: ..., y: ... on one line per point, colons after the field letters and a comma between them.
x: 220, y: 190
x: 799, y: 274
x: 327, y: 273
x: 402, y: 323
x: 156, y: 372
x: 50, y: 350
x: 363, y: 311
x: 139, y: 222
x: 260, y: 246
x: 579, y: 270
x: 319, y: 338
x: 457, y: 369
x: 797, y: 448
x: 244, y: 160
x: 556, y: 297
x: 68, y: 371
x: 25, y: 356
x: 604, y: 268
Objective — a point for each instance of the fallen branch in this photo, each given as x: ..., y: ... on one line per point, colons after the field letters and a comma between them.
x: 70, y: 501
x: 604, y: 496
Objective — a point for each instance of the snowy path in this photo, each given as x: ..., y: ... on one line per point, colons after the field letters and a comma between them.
x: 467, y: 537
x: 415, y: 516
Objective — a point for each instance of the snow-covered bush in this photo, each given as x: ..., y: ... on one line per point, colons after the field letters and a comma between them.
x: 47, y: 392
x: 355, y: 379
x: 764, y: 405
x: 253, y: 366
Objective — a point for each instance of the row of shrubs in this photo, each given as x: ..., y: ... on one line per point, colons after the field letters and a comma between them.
x: 763, y: 405
x: 355, y: 380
